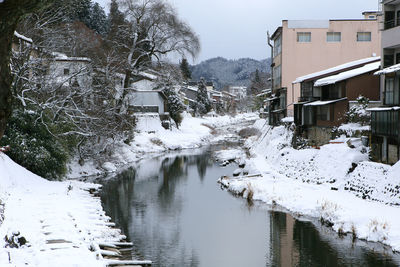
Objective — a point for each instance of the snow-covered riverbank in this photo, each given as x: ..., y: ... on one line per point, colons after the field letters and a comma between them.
x: 151, y: 138
x: 336, y: 183
x: 61, y: 221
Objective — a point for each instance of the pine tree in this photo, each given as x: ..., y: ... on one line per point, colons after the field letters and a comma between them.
x: 186, y: 73
x: 175, y: 106
x: 98, y: 19
x: 203, y: 104
x: 115, y: 19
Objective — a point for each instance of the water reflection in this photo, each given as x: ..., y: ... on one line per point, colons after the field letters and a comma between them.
x: 296, y: 243
x: 176, y: 215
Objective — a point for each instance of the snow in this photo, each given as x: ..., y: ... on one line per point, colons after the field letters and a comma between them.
x: 288, y: 119
x: 61, y: 221
x: 336, y: 182
x: 383, y: 109
x: 322, y: 103
x: 148, y: 75
x: 337, y: 68
x: 20, y: 36
x: 347, y: 74
x: 387, y: 70
x: 351, y: 128
x: 150, y: 139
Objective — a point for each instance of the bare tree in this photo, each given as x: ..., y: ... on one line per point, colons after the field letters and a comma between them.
x: 152, y: 31
x: 11, y: 11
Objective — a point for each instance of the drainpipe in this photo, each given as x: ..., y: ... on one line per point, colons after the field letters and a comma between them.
x: 272, y: 76
x: 272, y: 58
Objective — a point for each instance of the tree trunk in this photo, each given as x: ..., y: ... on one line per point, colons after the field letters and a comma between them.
x: 11, y: 11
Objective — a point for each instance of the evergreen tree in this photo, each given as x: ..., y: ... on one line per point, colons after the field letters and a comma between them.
x: 175, y: 106
x: 186, y: 73
x: 203, y: 104
x: 115, y: 20
x: 98, y: 20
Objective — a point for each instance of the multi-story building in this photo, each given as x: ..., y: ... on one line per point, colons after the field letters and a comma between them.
x: 326, y: 97
x: 385, y: 121
x: 306, y: 46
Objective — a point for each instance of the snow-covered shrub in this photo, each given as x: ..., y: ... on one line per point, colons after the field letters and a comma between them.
x: 358, y: 113
x: 33, y: 147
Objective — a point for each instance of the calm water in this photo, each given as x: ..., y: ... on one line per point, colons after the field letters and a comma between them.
x: 175, y: 214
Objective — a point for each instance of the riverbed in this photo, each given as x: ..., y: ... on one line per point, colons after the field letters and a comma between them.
x: 176, y: 214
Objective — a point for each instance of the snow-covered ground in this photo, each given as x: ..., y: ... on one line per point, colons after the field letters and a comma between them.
x: 151, y: 138
x: 336, y: 183
x: 60, y: 221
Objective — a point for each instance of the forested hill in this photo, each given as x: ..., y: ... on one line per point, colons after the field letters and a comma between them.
x: 229, y: 72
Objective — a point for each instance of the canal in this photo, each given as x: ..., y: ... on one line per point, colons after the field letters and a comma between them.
x: 176, y: 214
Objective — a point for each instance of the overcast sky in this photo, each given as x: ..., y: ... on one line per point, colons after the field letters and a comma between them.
x: 237, y: 28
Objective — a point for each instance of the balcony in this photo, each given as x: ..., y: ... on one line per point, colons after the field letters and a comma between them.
x: 307, y: 99
x: 392, y: 23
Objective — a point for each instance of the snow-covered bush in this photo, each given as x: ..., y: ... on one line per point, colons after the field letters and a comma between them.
x: 33, y: 147
x: 203, y: 104
x: 358, y: 113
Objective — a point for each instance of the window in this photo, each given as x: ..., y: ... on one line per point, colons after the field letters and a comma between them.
x: 363, y: 36
x: 306, y: 90
x: 371, y: 17
x: 277, y: 76
x: 304, y: 37
x: 397, y: 58
x: 389, y: 91
x: 277, y: 46
x: 333, y: 36
x: 323, y: 113
x: 66, y: 71
x: 388, y: 60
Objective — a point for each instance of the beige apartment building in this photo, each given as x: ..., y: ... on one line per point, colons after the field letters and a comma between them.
x: 306, y: 46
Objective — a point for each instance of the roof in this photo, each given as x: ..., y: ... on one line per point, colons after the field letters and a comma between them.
x: 323, y: 103
x: 348, y: 74
x: 333, y: 70
x: 150, y: 92
x: 383, y: 109
x: 387, y: 70
x: 276, y: 32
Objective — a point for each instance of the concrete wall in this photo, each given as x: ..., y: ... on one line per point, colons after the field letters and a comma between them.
x: 147, y: 98
x: 319, y: 136
x: 79, y: 71
x: 299, y: 59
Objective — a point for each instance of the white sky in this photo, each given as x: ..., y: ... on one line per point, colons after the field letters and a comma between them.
x: 237, y: 28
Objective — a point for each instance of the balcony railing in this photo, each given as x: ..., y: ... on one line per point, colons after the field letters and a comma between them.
x: 392, y: 23
x: 307, y: 98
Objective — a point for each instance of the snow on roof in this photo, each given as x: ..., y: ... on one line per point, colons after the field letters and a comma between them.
x: 383, y: 109
x: 72, y: 59
x: 263, y: 94
x: 390, y: 69
x: 348, y: 74
x: 20, y: 36
x: 322, y: 103
x: 148, y: 75
x: 192, y: 88
x: 335, y: 69
x: 287, y: 119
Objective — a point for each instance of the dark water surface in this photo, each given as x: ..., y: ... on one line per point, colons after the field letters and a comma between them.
x: 175, y: 214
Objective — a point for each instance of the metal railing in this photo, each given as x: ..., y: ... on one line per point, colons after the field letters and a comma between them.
x: 392, y: 23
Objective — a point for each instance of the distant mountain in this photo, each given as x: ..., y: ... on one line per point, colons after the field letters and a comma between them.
x: 229, y: 72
